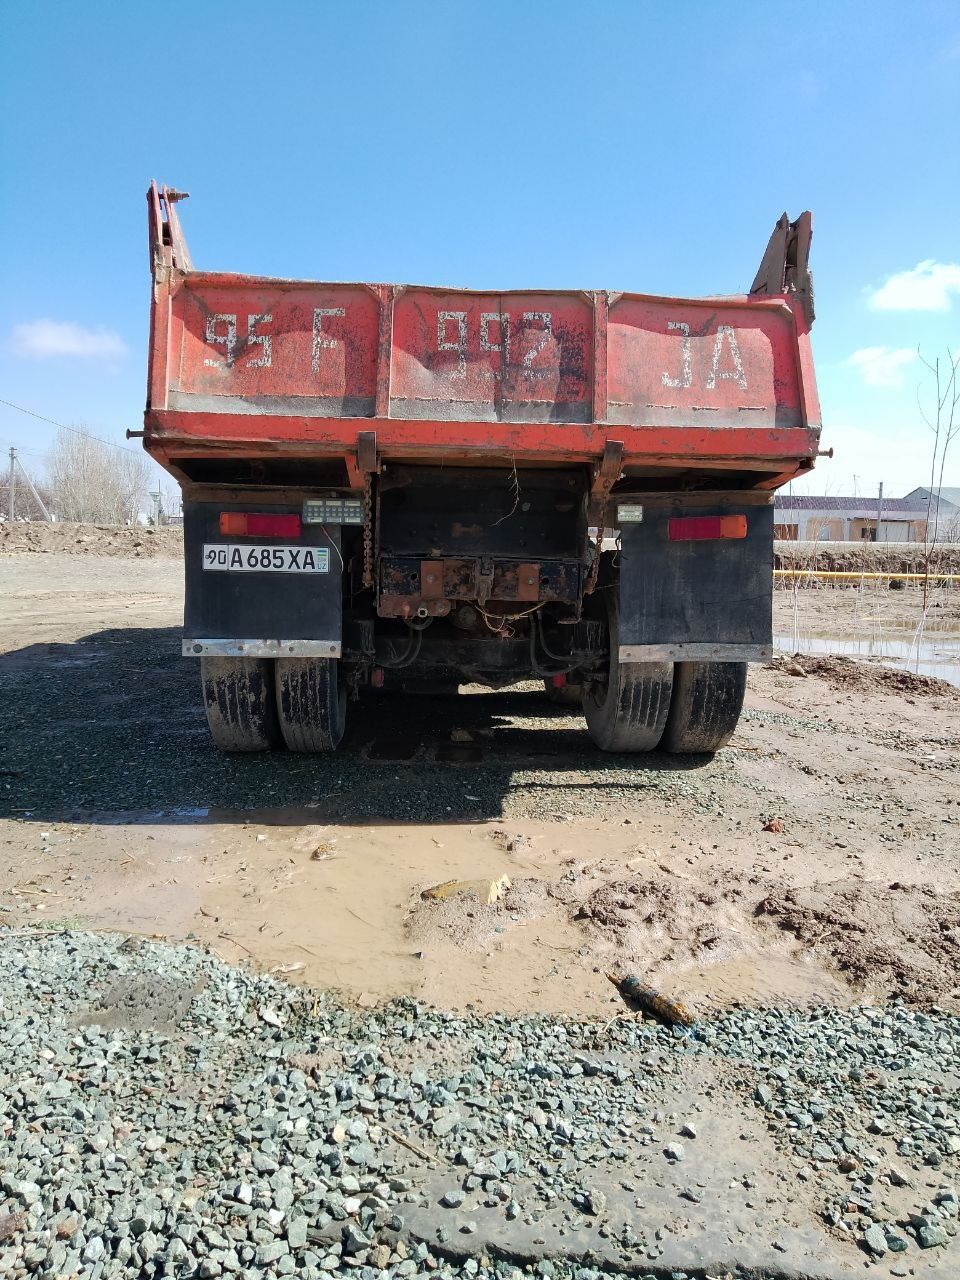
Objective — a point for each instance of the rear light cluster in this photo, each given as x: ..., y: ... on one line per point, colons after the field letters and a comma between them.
x: 706, y: 528
x: 246, y: 524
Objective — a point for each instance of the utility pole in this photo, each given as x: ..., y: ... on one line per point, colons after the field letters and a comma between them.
x: 13, y: 481
x: 36, y: 497
x: 14, y: 463
x: 879, y: 510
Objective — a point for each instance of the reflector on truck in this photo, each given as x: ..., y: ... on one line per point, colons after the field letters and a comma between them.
x: 249, y: 524
x: 706, y: 528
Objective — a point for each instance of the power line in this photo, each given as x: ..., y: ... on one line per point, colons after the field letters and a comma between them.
x: 34, y: 453
x: 63, y: 427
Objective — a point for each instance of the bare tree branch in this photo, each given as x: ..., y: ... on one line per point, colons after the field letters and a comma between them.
x: 91, y: 482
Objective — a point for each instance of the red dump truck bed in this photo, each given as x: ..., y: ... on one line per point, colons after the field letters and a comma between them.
x: 250, y: 367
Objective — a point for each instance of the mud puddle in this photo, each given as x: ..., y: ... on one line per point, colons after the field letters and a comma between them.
x: 343, y: 907
x: 871, y: 622
x: 939, y: 657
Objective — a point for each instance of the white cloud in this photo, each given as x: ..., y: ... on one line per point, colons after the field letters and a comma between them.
x: 926, y: 287
x: 41, y: 339
x: 882, y: 366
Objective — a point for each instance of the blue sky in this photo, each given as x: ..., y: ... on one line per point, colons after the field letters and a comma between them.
x: 645, y: 147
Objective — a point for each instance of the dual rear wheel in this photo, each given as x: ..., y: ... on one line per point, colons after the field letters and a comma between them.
x: 682, y: 707
x: 256, y: 704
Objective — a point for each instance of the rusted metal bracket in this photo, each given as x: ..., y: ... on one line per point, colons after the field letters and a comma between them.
x: 431, y: 579
x: 605, y: 476
x: 784, y: 267
x: 367, y: 459
x: 365, y: 463
x: 528, y: 581
x: 484, y: 581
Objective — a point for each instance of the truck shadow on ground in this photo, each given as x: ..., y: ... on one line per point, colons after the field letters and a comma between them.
x: 111, y: 727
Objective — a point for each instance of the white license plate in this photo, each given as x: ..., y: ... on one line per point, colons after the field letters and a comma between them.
x: 227, y: 556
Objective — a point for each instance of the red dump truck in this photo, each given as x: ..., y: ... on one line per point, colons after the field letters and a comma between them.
x: 387, y: 484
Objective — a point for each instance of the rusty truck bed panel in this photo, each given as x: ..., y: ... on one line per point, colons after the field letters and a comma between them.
x: 256, y: 365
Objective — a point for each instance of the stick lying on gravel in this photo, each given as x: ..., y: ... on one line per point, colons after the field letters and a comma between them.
x: 409, y: 1144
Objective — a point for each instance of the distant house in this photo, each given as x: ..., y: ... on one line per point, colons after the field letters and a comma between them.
x: 944, y: 510
x: 810, y: 517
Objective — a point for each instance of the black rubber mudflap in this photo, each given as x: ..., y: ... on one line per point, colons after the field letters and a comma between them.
x: 709, y: 593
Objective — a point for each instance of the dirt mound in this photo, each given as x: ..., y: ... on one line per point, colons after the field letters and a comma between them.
x: 622, y: 903
x: 901, y: 938
x: 658, y: 918
x: 866, y: 557
x: 40, y: 536
x: 848, y: 674
x: 471, y: 925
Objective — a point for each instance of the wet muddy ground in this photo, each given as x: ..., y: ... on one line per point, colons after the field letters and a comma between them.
x: 869, y: 621
x: 117, y: 813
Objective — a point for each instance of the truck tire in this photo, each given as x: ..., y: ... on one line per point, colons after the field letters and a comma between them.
x: 239, y: 701
x: 705, y: 706
x: 630, y: 711
x: 311, y: 703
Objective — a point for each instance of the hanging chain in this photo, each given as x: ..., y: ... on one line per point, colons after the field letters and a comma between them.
x: 367, y: 529
x: 591, y: 582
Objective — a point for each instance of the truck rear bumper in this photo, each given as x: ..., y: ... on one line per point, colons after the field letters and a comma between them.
x: 695, y: 652
x: 220, y: 648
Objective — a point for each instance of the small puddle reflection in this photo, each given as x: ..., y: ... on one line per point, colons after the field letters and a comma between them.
x: 939, y: 658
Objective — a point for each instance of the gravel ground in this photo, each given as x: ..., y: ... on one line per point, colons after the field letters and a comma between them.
x: 165, y: 1114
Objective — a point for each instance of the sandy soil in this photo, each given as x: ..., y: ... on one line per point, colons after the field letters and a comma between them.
x: 758, y: 876
x: 866, y: 608
x: 66, y: 538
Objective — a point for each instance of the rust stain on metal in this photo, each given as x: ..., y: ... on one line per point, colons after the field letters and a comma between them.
x: 431, y: 579
x: 528, y: 582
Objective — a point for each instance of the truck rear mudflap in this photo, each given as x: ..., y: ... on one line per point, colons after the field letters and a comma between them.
x: 694, y: 579
x: 260, y: 583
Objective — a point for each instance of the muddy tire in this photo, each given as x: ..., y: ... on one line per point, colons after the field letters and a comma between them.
x: 630, y: 711
x: 238, y: 697
x: 311, y: 703
x: 568, y: 695
x: 705, y: 706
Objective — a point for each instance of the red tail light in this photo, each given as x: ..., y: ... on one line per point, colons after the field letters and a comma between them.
x: 245, y: 524
x: 706, y: 528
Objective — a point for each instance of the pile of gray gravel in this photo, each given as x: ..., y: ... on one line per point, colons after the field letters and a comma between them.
x: 165, y: 1114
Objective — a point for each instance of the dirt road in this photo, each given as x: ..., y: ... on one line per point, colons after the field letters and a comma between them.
x: 118, y: 813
